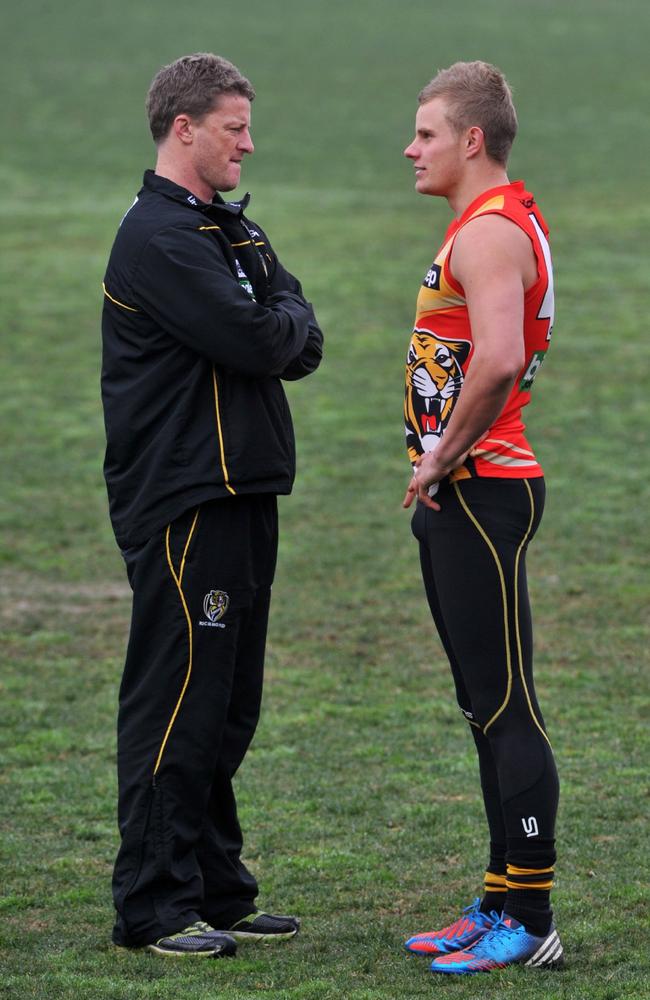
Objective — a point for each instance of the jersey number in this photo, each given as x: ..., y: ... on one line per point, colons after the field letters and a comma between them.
x: 546, y: 309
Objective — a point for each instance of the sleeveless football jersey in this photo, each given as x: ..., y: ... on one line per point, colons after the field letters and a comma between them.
x: 440, y: 351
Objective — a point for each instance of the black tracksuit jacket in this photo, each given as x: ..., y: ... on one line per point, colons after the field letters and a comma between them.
x: 200, y: 323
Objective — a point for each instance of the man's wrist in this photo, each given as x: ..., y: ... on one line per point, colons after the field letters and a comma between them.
x: 430, y: 470
x: 441, y: 462
x: 447, y: 464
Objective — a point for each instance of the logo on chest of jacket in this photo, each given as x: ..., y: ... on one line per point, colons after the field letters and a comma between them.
x: 243, y: 279
x: 215, y: 605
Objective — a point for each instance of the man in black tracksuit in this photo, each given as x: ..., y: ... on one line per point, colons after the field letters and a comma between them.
x: 200, y: 324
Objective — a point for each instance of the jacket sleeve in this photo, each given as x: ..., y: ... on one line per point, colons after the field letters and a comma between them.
x: 184, y: 284
x: 310, y: 357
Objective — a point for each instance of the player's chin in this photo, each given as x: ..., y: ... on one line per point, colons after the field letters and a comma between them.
x: 423, y: 186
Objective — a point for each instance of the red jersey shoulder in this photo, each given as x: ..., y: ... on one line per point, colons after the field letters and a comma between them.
x: 524, y: 210
x: 514, y: 204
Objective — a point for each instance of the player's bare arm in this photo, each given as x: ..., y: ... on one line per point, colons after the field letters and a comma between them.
x: 494, y: 262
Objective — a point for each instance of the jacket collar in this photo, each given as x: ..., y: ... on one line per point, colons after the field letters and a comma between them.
x: 162, y: 185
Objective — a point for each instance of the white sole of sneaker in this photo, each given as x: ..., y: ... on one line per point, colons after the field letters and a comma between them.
x: 165, y: 953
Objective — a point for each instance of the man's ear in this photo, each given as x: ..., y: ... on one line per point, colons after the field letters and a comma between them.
x: 474, y: 141
x: 182, y: 128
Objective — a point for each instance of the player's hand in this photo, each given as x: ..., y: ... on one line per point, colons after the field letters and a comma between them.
x: 425, y: 474
x: 414, y: 490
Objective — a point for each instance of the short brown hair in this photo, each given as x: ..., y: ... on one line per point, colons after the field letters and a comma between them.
x: 191, y: 85
x: 478, y: 94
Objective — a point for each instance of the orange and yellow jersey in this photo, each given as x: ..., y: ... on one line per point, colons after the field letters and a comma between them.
x: 441, y: 347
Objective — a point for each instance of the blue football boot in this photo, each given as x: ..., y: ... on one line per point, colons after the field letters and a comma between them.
x: 469, y: 927
x: 508, y: 943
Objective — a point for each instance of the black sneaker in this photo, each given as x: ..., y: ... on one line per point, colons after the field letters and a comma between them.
x: 265, y: 927
x: 199, y: 940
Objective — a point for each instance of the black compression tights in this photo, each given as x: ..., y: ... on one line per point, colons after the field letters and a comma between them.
x: 472, y: 554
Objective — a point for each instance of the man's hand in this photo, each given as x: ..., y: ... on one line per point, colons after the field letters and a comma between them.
x: 427, y: 472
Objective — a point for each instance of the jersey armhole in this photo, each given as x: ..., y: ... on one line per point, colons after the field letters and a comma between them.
x: 456, y: 285
x: 453, y: 283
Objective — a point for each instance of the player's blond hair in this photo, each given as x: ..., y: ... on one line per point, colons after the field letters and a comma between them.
x: 477, y: 94
x: 191, y: 85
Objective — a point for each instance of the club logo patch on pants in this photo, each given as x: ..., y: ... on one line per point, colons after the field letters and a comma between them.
x: 215, y: 605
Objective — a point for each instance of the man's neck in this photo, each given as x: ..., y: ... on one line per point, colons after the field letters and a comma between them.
x: 185, y: 176
x: 474, y: 185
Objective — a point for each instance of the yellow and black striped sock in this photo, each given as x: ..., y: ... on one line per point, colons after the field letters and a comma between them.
x: 494, y: 892
x: 528, y: 897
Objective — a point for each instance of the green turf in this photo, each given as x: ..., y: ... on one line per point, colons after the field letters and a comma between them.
x: 359, y: 796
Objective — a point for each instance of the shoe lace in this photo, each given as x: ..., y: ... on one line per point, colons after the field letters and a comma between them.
x: 503, y: 925
x: 198, y: 927
x: 472, y: 910
x: 480, y: 916
x: 476, y: 915
x: 499, y: 928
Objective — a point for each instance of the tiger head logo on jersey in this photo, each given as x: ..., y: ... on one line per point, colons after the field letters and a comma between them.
x: 434, y: 378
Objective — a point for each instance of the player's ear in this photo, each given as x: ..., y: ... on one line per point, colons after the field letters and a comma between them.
x: 182, y: 128
x: 474, y: 141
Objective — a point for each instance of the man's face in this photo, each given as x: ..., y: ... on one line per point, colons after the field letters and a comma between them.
x: 436, y: 151
x: 221, y: 139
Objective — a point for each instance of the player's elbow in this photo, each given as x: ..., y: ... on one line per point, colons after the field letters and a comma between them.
x: 503, y: 366
x: 510, y: 369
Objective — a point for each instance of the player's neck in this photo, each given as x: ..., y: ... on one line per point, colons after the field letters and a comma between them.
x: 473, y: 185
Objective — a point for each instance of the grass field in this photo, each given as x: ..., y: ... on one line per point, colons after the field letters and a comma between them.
x: 359, y: 796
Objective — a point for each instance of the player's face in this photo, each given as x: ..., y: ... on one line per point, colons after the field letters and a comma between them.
x: 221, y: 139
x: 436, y: 151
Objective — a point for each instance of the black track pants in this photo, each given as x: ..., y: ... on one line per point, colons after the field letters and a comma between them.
x: 189, y: 704
x: 472, y: 554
